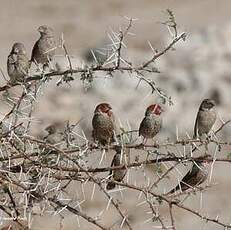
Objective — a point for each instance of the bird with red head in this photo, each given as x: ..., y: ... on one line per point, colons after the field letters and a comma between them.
x: 103, y: 124
x: 152, y: 122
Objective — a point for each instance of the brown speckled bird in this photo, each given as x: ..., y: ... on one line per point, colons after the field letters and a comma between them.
x: 120, y: 158
x: 44, y: 48
x: 152, y: 122
x: 206, y: 118
x: 196, y: 176
x: 18, y: 63
x: 103, y: 124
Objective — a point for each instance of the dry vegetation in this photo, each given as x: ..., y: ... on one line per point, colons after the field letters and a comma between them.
x: 65, y: 177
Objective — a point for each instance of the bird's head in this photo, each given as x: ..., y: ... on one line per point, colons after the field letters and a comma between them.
x: 45, y: 30
x: 103, y: 108
x: 51, y: 129
x: 54, y: 127
x: 207, y: 104
x: 154, y: 109
x: 18, y: 48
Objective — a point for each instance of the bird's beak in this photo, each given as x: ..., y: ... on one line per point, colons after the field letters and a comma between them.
x: 40, y: 30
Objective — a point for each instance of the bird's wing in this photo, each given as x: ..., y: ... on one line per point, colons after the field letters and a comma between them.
x: 195, y: 133
x: 34, y: 50
x: 12, y: 58
x: 142, y: 125
x: 192, y: 173
x: 188, y: 180
x: 23, y: 64
x: 113, y: 163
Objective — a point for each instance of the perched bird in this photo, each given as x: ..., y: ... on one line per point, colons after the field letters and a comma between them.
x: 119, y: 159
x: 103, y: 123
x: 53, y: 128
x: 55, y: 133
x: 206, y: 118
x: 152, y: 122
x: 18, y: 63
x: 196, y: 176
x: 44, y: 49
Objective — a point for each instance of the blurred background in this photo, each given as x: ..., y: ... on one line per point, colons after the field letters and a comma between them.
x: 199, y: 68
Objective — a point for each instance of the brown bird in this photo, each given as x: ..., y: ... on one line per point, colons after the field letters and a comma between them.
x: 205, y: 119
x: 44, y: 49
x: 120, y: 158
x: 103, y: 123
x: 18, y: 63
x: 55, y: 133
x: 152, y: 122
x: 196, y: 176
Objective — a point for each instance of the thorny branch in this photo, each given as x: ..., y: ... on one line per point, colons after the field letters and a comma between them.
x: 37, y: 171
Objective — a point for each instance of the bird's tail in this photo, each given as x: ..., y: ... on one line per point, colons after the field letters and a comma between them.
x: 170, y: 192
x: 6, y: 189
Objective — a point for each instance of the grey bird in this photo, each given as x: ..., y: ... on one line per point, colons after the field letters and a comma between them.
x: 18, y: 63
x: 205, y: 119
x: 152, y: 122
x: 120, y: 158
x: 44, y: 49
x: 196, y: 176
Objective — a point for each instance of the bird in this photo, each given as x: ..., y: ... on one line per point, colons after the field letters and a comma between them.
x: 18, y: 63
x: 103, y: 124
x: 120, y: 158
x: 55, y: 133
x: 44, y: 49
x: 205, y: 119
x: 152, y: 122
x: 52, y: 128
x: 196, y: 176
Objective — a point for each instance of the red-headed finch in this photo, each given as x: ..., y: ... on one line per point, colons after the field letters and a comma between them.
x: 206, y: 118
x: 18, y: 63
x: 119, y: 159
x: 196, y: 176
x: 103, y: 123
x: 44, y: 48
x: 152, y: 122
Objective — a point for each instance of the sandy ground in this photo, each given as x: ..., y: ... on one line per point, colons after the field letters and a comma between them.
x: 197, y: 68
